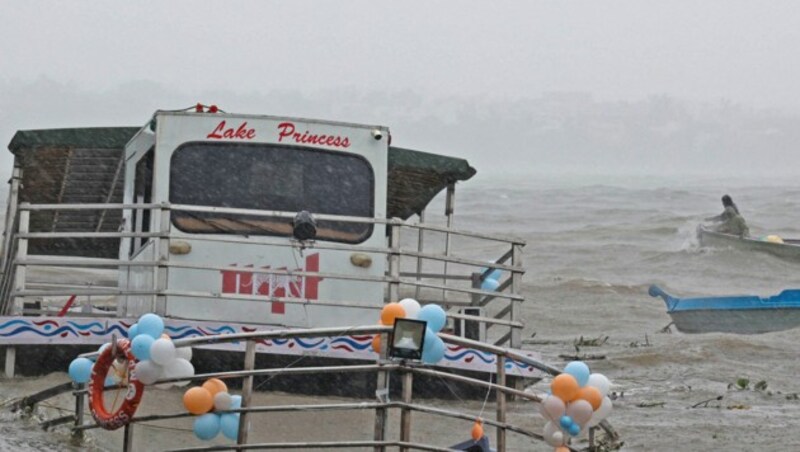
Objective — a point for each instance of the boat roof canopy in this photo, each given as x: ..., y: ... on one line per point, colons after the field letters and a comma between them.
x: 414, y: 177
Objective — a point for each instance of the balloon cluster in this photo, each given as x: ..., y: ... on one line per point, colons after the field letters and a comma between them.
x: 579, y: 399
x: 158, y: 358
x: 433, y: 348
x: 210, y: 403
x: 492, y: 280
x: 157, y: 355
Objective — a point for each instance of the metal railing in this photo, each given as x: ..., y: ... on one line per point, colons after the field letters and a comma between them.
x: 381, y: 406
x: 459, y: 283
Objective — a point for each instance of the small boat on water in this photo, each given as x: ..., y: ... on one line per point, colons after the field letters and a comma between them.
x: 784, y: 248
x: 743, y: 314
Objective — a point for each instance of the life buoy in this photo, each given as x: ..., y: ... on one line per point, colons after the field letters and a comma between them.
x: 124, y: 414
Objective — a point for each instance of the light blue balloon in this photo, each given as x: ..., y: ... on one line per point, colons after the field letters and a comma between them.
x: 429, y: 339
x: 490, y: 285
x: 236, y: 402
x: 574, y: 429
x: 434, y: 353
x: 133, y: 331
x: 434, y: 315
x: 566, y: 422
x: 579, y: 370
x: 151, y: 325
x: 141, y: 346
x: 80, y: 370
x: 494, y: 273
x: 230, y: 425
x: 207, y: 426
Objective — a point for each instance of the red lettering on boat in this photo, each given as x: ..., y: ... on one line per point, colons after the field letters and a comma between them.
x: 288, y: 131
x: 241, y: 133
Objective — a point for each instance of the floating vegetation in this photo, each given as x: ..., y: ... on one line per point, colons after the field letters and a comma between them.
x: 651, y: 404
x: 637, y: 344
x: 590, y: 342
x: 583, y: 357
x: 704, y: 403
x: 743, y: 384
x: 738, y: 407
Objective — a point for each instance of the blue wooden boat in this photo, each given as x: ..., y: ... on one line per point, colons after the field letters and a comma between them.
x: 745, y: 314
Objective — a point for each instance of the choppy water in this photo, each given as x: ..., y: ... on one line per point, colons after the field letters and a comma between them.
x: 594, y: 246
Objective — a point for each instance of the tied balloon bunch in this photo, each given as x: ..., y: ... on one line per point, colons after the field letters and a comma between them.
x: 210, y: 403
x: 433, y: 347
x: 158, y: 357
x: 579, y: 399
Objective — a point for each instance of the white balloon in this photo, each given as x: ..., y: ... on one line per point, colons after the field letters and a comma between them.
x: 184, y: 353
x: 600, y: 382
x: 179, y: 368
x: 411, y: 306
x: 554, y: 408
x: 147, y: 372
x: 222, y: 401
x: 602, y: 412
x: 580, y: 411
x: 162, y: 352
x: 553, y: 434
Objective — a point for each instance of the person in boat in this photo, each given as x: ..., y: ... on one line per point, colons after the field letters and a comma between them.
x: 730, y: 221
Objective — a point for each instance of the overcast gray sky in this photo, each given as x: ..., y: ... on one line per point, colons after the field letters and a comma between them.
x: 118, y: 61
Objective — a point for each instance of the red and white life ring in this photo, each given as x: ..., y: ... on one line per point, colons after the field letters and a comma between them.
x: 124, y: 414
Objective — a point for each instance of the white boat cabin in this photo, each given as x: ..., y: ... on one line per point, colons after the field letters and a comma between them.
x: 219, y: 162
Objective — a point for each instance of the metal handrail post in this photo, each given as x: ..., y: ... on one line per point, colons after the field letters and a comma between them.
x: 501, y: 403
x: 22, y: 253
x: 516, y: 286
x: 247, y: 392
x: 77, y: 435
x: 405, y: 413
x: 127, y: 438
x: 162, y: 248
x: 420, y: 248
x: 449, y: 210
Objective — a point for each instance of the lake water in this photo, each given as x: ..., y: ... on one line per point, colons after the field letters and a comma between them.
x: 594, y: 245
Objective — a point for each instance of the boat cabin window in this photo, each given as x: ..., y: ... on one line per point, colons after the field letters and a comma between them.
x: 142, y: 194
x: 270, y: 177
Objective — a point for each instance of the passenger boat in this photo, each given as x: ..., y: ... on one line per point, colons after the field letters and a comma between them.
x: 259, y: 234
x: 191, y: 217
x: 745, y: 314
x: 788, y: 249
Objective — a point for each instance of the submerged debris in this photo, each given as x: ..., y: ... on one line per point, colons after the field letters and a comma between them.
x: 651, y: 404
x: 704, y: 403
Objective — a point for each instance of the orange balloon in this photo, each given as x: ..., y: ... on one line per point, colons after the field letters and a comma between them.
x: 565, y: 387
x: 215, y: 385
x: 562, y: 449
x: 376, y: 343
x: 198, y: 400
x: 591, y: 395
x: 477, y: 430
x: 391, y: 312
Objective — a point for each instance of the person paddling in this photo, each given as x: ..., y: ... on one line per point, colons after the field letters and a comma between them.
x: 730, y: 221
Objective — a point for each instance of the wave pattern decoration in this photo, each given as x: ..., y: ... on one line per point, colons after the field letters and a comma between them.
x: 62, y: 331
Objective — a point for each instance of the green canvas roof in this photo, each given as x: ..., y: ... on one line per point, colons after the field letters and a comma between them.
x: 89, y: 138
x: 415, y: 177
